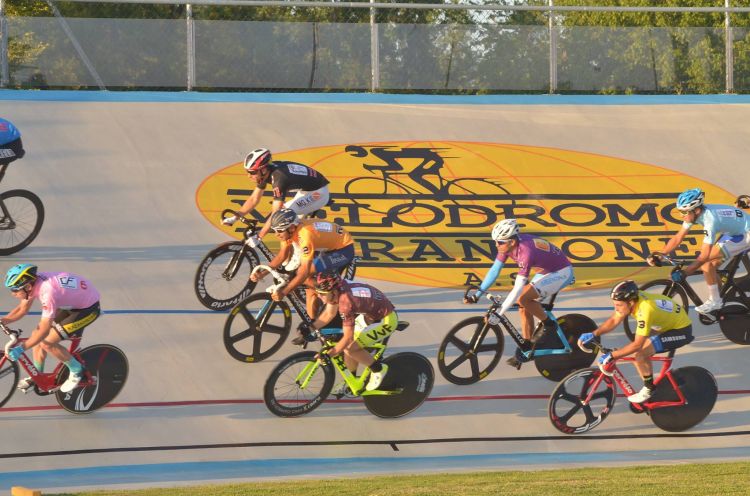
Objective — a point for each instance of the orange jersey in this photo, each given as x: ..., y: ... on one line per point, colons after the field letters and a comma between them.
x: 318, y: 235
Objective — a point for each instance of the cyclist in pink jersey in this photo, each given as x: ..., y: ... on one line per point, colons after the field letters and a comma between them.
x: 69, y: 304
x: 530, y: 252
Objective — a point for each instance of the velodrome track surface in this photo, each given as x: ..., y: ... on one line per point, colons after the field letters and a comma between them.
x: 118, y: 181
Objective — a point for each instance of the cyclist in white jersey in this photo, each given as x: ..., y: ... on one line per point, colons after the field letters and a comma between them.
x: 727, y: 233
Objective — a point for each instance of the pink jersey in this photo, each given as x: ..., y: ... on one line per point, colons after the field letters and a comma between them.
x: 63, y: 291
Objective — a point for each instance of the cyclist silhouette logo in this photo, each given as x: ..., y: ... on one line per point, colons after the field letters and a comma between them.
x: 400, y: 178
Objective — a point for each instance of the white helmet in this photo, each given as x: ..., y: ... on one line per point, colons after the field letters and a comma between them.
x: 505, y: 229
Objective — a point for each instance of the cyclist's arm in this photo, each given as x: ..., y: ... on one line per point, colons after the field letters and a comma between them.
x: 703, y: 257
x: 276, y: 205
x: 348, y: 330
x: 510, y: 300
x: 327, y: 315
x: 304, y: 271
x: 18, y: 312
x: 284, y: 251
x: 673, y: 243
x: 609, y: 324
x: 490, y: 278
x: 630, y: 348
x: 41, y: 331
x: 251, y: 202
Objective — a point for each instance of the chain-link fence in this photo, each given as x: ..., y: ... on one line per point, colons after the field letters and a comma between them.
x: 320, y: 46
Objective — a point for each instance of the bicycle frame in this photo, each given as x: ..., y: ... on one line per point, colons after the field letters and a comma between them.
x: 627, y: 388
x: 45, y: 382
x: 356, y: 384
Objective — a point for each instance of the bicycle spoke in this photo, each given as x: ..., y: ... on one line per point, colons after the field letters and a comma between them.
x: 474, y: 365
x: 455, y: 363
x: 243, y: 335
x: 600, y: 394
x: 458, y: 343
x: 575, y: 408
x: 590, y: 417
x: 273, y: 329
x: 486, y: 347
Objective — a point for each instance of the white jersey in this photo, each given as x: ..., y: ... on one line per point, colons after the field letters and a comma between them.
x: 719, y: 220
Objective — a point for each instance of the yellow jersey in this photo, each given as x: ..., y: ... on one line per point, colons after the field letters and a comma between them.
x: 318, y: 235
x: 658, y: 313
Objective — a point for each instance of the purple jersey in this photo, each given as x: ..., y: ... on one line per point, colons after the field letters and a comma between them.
x: 535, y: 252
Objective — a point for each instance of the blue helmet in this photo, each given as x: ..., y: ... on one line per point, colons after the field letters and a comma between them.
x: 19, y: 276
x: 690, y: 199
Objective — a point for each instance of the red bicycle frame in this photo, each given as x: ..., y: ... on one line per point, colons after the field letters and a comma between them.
x: 46, y: 382
x: 665, y: 372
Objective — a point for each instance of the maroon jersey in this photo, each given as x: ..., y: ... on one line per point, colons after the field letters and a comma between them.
x: 362, y: 299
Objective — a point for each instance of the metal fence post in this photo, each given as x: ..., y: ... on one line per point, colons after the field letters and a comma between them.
x: 374, y: 52
x: 552, y: 50
x: 4, y: 72
x: 190, y: 47
x: 728, y: 49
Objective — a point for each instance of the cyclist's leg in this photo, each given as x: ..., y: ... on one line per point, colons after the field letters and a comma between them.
x: 70, y: 325
x: 307, y: 202
x: 546, y: 286
x: 365, y: 337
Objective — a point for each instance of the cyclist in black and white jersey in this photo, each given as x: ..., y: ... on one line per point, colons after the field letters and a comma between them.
x: 310, y: 187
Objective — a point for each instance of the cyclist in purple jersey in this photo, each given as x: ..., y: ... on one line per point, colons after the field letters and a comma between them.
x: 309, y: 185
x: 529, y: 252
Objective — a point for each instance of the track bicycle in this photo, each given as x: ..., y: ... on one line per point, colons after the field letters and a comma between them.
x: 257, y: 326
x: 106, y: 370
x: 473, y: 347
x: 733, y: 317
x: 682, y: 399
x: 301, y: 382
x: 21, y: 217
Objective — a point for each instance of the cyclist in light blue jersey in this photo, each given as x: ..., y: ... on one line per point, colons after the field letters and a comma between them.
x: 727, y: 233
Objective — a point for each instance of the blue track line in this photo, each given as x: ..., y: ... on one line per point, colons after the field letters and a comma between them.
x: 224, y: 471
x: 360, y: 98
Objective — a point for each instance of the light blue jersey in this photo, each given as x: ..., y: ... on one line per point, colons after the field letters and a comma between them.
x: 720, y: 220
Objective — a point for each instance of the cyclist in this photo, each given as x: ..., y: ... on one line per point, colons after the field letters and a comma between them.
x: 727, y: 233
x: 11, y: 147
x: 367, y: 316
x: 69, y: 304
x: 662, y: 325
x: 310, y: 186
x: 555, y: 273
x: 334, y: 245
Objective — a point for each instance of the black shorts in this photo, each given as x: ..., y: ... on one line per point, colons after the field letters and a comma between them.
x: 71, y: 323
x: 671, y: 340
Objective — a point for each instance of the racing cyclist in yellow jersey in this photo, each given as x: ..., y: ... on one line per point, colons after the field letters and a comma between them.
x: 662, y: 325
x: 335, y: 247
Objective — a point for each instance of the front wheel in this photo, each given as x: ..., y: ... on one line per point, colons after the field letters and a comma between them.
x: 698, y: 386
x: 734, y: 320
x: 466, y: 355
x: 22, y: 216
x: 556, y: 367
x: 664, y: 287
x: 256, y: 328
x: 107, y: 368
x: 566, y: 409
x: 223, y: 276
x: 410, y: 378
x: 298, y: 385
x: 8, y: 378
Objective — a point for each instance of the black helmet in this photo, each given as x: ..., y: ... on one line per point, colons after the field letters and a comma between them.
x: 283, y: 219
x: 625, y: 291
x: 327, y: 281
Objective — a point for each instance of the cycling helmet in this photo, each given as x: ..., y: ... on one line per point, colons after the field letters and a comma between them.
x: 690, y: 199
x: 257, y: 159
x: 505, y: 229
x: 19, y: 276
x: 327, y: 281
x: 625, y: 291
x: 283, y: 219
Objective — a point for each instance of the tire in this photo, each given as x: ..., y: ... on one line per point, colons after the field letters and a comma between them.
x: 698, y: 386
x: 217, y: 291
x: 413, y: 375
x: 455, y: 360
x: 108, y: 367
x: 660, y: 286
x: 734, y: 321
x: 565, y: 410
x: 9, y: 376
x: 27, y: 214
x: 284, y: 397
x: 256, y: 328
x: 556, y: 367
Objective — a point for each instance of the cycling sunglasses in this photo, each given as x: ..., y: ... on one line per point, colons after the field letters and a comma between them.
x: 502, y: 241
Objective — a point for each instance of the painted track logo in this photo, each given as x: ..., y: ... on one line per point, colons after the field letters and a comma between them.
x: 421, y: 212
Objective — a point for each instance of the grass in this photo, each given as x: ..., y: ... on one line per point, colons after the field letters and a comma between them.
x: 723, y: 479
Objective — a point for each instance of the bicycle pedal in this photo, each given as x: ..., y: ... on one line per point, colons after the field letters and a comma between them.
x: 514, y: 362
